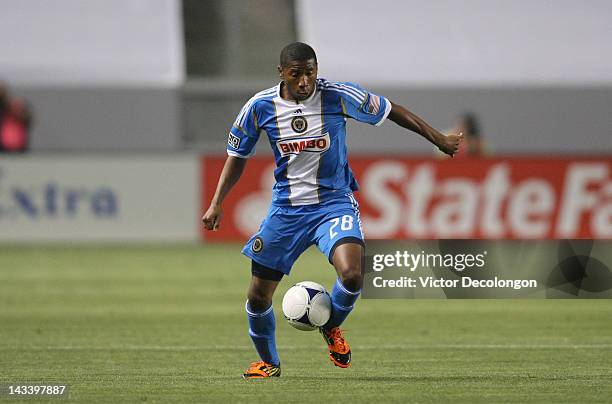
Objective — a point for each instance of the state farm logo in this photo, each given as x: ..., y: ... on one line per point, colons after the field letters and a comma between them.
x: 311, y: 144
x: 510, y: 199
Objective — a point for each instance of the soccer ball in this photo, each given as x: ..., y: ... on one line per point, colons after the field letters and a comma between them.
x: 307, y: 306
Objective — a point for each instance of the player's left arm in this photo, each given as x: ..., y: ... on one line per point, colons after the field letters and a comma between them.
x: 406, y: 119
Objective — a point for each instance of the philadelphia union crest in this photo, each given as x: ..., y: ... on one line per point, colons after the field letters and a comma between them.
x: 257, y: 245
x: 299, y: 124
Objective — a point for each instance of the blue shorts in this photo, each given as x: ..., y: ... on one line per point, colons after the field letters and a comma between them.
x: 287, y: 231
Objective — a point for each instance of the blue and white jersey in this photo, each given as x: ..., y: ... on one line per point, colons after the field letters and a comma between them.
x: 308, y: 138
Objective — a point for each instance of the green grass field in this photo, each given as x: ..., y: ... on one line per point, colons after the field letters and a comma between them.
x: 167, y: 324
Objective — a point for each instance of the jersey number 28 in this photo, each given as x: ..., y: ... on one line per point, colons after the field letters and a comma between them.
x: 346, y: 223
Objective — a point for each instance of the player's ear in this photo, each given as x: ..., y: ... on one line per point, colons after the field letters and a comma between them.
x: 280, y: 71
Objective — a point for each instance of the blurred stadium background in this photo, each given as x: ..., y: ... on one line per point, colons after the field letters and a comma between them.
x: 108, y: 283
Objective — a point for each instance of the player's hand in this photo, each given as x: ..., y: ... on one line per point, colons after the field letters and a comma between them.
x: 449, y: 144
x: 212, y: 217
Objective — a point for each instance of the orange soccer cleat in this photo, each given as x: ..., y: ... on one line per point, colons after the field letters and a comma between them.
x: 339, y: 350
x: 260, y: 370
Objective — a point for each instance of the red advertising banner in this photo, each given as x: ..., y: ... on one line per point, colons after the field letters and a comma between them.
x: 423, y: 198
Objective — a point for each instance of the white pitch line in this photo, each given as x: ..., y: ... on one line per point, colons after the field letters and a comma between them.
x: 171, y: 348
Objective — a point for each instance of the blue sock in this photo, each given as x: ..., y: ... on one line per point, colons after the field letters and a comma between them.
x: 343, y: 302
x: 261, y: 330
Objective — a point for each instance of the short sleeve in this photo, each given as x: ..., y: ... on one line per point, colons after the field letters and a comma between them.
x: 244, y: 133
x: 363, y: 105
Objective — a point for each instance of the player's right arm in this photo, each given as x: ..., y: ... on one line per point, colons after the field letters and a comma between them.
x: 232, y: 170
x: 240, y: 146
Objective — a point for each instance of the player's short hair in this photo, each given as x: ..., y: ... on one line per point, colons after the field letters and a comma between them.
x: 296, y: 51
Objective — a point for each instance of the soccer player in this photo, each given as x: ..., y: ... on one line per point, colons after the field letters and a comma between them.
x: 305, y: 118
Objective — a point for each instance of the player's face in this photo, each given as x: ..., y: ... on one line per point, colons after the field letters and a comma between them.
x: 299, y: 78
